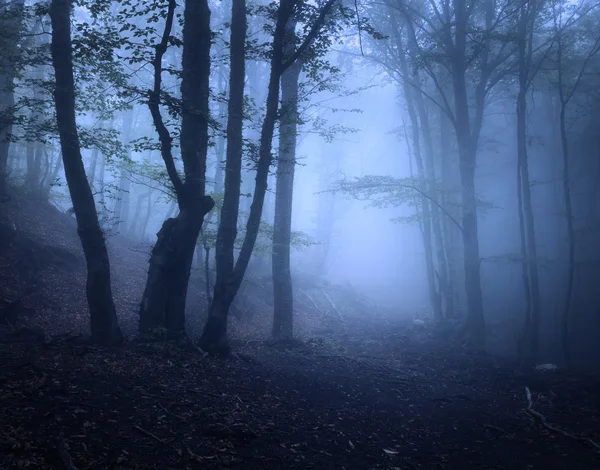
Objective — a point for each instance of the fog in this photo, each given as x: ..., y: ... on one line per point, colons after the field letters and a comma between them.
x: 383, y: 197
x: 299, y: 234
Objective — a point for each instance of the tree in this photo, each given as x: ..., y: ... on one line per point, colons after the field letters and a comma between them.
x: 163, y: 304
x: 466, y: 39
x: 227, y: 231
x: 566, y: 89
x: 11, y: 24
x: 214, y: 335
x: 528, y: 12
x: 103, y: 318
x: 283, y: 295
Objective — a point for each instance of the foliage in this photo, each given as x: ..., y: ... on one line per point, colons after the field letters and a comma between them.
x: 383, y: 192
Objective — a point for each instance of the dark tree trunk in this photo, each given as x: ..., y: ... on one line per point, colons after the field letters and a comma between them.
x: 467, y: 135
x: 283, y: 295
x: 529, y: 346
x: 163, y: 304
x: 34, y: 149
x: 104, y: 325
x: 10, y: 27
x: 214, y: 336
x: 215, y: 331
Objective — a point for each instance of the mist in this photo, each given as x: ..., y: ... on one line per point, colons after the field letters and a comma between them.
x: 286, y: 233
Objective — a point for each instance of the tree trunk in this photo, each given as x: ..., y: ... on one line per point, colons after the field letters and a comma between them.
x: 214, y: 336
x: 93, y: 166
x: 467, y: 135
x: 162, y: 311
x: 438, y: 244
x: 283, y: 295
x: 566, y: 340
x: 215, y: 331
x: 121, y: 212
x: 529, y: 346
x: 104, y: 325
x: 10, y: 26
x: 434, y: 294
x: 34, y: 149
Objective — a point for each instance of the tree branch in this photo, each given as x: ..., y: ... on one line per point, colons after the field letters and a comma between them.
x: 166, y: 141
x: 314, y: 31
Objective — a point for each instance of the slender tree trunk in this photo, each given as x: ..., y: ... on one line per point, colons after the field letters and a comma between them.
x: 121, y: 212
x: 215, y: 331
x: 432, y: 186
x: 566, y: 340
x: 33, y: 153
x: 93, y: 166
x: 529, y: 348
x: 467, y: 135
x: 283, y: 295
x: 104, y: 325
x: 11, y: 26
x: 214, y: 336
x: 450, y: 181
x: 434, y: 294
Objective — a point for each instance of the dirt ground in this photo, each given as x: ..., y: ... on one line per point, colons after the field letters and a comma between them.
x: 359, y: 389
x: 402, y: 402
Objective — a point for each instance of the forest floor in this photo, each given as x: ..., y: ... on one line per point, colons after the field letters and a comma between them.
x: 398, y: 401
x: 356, y: 391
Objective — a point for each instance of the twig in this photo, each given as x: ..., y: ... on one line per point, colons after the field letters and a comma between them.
x: 491, y: 426
x: 149, y: 434
x: 64, y: 455
x: 544, y: 422
x: 204, y: 392
x: 314, y: 303
x: 339, y: 314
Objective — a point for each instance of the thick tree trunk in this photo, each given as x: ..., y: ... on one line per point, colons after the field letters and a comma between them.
x: 162, y: 311
x: 104, y: 326
x: 283, y: 295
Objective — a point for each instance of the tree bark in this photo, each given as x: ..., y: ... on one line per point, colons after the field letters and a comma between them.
x: 529, y: 346
x: 283, y: 295
x: 11, y: 26
x: 103, y: 318
x: 434, y: 294
x: 467, y: 135
x: 215, y: 331
x: 162, y: 312
x: 214, y: 336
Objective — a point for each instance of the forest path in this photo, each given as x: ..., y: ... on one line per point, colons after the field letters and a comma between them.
x: 404, y: 403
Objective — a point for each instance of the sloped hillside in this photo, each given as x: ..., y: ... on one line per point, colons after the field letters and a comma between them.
x: 42, y: 269
x: 42, y: 283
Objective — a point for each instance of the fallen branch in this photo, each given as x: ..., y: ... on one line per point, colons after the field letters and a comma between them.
x: 544, y: 422
x: 149, y: 434
x: 339, y: 314
x: 314, y: 303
